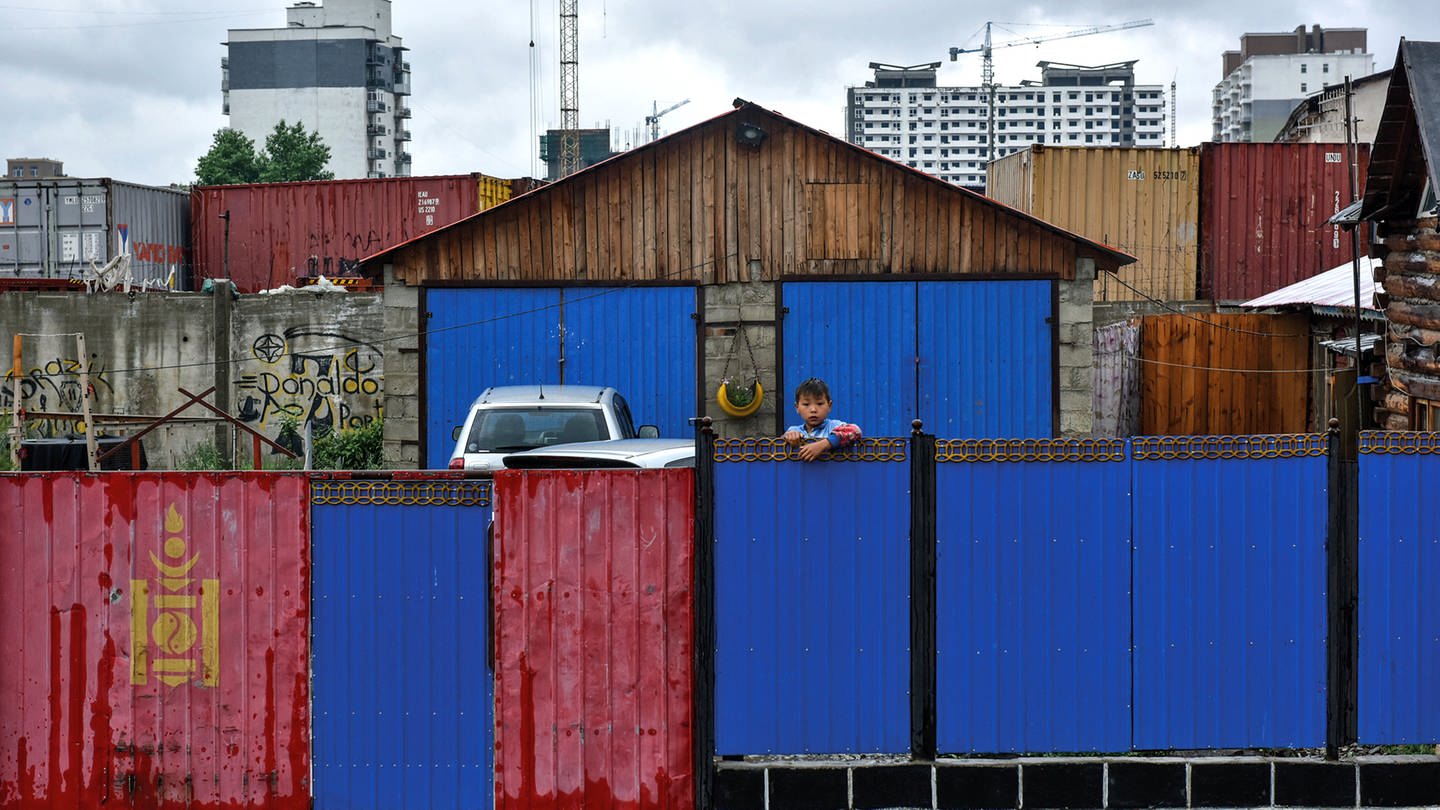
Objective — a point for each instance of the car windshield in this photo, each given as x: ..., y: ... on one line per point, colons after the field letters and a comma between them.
x: 509, y: 430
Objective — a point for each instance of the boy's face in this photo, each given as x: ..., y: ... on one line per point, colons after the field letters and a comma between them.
x: 814, y: 410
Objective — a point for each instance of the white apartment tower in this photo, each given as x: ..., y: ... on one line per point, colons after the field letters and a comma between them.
x: 337, y: 69
x: 1272, y: 74
x: 945, y: 131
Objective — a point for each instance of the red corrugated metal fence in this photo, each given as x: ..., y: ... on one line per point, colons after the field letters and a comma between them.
x: 594, y: 639
x: 155, y: 640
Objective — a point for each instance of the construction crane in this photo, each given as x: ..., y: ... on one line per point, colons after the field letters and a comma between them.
x: 653, y: 119
x: 987, y: 64
x: 569, y: 87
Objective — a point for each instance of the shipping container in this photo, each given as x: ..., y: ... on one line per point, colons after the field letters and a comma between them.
x: 68, y: 227
x: 156, y: 640
x: 1263, y: 214
x: 1141, y: 201
x: 279, y: 232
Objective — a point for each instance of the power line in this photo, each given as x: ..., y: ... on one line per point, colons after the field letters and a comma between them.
x: 1167, y: 306
x: 408, y: 336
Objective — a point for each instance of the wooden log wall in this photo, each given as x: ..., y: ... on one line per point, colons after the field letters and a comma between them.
x: 1223, y: 374
x: 698, y: 207
x: 1410, y: 274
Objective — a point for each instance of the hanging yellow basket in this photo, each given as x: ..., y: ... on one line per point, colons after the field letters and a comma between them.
x: 733, y: 401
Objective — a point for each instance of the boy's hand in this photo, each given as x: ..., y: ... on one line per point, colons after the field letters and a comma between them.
x: 793, y: 437
x: 812, y: 450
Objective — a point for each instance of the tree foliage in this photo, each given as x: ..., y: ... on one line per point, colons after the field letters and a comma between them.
x: 290, y: 154
x: 231, y: 160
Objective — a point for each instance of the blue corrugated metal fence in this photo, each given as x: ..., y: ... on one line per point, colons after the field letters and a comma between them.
x: 811, y: 610
x: 1399, y: 563
x: 402, y: 697
x: 1032, y: 596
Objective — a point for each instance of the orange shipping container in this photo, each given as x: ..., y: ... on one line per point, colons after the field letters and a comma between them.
x: 1141, y: 201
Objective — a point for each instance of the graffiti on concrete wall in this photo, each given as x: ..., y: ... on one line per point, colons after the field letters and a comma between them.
x: 54, y: 386
x: 326, y: 379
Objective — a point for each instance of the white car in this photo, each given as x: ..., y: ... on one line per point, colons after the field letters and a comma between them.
x: 510, y: 418
x: 614, y: 454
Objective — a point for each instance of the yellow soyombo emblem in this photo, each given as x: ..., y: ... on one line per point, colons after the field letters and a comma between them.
x: 165, y: 644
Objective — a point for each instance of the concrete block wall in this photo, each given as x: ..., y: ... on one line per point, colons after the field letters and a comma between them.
x: 1076, y: 356
x: 402, y: 373
x: 1079, y: 782
x: 306, y: 355
x: 735, y: 313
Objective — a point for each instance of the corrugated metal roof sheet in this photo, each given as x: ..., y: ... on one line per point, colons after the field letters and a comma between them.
x: 1333, y: 288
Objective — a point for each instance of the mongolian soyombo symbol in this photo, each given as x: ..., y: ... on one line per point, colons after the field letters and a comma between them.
x: 166, y: 644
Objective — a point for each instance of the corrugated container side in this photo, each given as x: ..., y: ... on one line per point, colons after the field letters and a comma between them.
x: 491, y: 191
x: 812, y: 596
x: 282, y: 231
x: 1264, y: 208
x: 1399, y: 564
x: 155, y: 637
x: 1007, y: 180
x: 1229, y: 602
x: 59, y: 227
x: 1142, y: 201
x: 1032, y: 598
x: 594, y: 637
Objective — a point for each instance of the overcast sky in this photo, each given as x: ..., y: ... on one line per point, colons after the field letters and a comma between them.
x: 130, y: 89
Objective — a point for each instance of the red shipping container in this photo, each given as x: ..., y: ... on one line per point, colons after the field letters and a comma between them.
x: 593, y: 639
x: 1263, y: 212
x: 156, y: 640
x: 279, y: 232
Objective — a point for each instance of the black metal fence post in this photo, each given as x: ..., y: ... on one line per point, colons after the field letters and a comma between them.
x: 922, y: 593
x: 703, y: 689
x: 1342, y: 584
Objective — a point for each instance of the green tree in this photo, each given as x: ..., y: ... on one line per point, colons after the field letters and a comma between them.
x: 291, y: 153
x: 231, y: 160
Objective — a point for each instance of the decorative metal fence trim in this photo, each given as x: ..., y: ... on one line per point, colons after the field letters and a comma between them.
x: 778, y: 450
x: 400, y: 493
x: 1170, y: 448
x: 976, y: 450
x: 1399, y: 442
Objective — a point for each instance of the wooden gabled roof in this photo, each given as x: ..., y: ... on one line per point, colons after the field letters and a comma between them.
x: 698, y: 206
x: 1406, y: 153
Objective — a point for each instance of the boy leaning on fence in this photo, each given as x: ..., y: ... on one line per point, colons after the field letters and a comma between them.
x: 817, y: 433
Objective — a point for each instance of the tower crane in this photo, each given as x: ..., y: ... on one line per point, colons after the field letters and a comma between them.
x: 987, y: 64
x: 569, y: 87
x: 653, y: 119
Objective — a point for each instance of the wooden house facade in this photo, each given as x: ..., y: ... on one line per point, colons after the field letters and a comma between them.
x: 1400, y: 200
x: 737, y: 207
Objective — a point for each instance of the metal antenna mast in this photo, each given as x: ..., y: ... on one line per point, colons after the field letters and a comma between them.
x: 569, y: 87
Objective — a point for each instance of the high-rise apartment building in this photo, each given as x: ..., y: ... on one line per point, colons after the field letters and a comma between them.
x: 337, y: 69
x: 945, y: 131
x: 1273, y: 73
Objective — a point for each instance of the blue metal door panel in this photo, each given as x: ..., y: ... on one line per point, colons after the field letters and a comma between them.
x: 641, y: 340
x: 1229, y: 606
x: 1032, y: 595
x: 1399, y: 566
x: 402, y: 693
x: 859, y: 337
x: 986, y: 352
x: 477, y: 338
x: 811, y: 605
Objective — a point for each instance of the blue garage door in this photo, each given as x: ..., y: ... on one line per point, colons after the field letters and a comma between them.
x: 641, y: 340
x: 973, y: 359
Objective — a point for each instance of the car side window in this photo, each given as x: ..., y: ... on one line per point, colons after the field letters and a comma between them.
x: 622, y: 415
x: 688, y: 461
